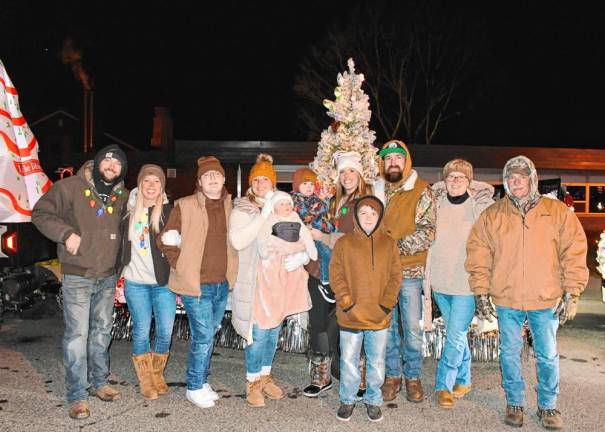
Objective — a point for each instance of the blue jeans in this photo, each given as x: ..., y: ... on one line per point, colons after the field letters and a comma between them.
x: 142, y: 300
x: 543, y: 325
x: 262, y: 350
x: 374, y: 345
x: 410, y: 312
x: 455, y: 364
x: 204, y: 314
x: 88, y: 317
x: 325, y: 254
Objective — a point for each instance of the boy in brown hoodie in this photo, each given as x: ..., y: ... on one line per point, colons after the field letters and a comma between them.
x: 365, y: 276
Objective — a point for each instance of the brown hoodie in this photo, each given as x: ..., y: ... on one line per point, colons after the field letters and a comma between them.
x: 365, y: 275
x: 65, y: 209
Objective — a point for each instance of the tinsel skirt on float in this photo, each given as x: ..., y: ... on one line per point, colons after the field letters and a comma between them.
x: 294, y: 337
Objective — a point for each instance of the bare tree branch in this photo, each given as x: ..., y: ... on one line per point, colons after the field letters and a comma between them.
x: 414, y: 69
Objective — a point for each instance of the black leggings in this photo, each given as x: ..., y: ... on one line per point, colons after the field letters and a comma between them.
x: 324, y: 329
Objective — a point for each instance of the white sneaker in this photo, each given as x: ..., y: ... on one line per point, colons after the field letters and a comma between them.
x: 211, y: 393
x: 199, y: 398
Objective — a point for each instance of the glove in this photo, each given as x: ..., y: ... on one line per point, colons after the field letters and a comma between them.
x: 267, y: 208
x: 484, y: 309
x: 567, y: 308
x: 171, y: 238
x: 294, y: 261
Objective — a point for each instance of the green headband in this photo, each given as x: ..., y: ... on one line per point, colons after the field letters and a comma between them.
x: 389, y: 150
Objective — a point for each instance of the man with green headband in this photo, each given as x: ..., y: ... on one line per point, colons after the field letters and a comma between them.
x: 410, y: 220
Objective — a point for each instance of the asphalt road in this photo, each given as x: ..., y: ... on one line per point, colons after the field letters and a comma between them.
x: 32, y: 391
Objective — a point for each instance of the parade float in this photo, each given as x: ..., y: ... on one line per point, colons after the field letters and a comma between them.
x: 27, y: 272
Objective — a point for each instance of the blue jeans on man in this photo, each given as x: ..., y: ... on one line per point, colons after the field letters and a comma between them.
x: 454, y: 367
x: 543, y: 325
x: 88, y: 317
x: 410, y: 313
x: 144, y: 300
x: 205, y: 314
x: 374, y: 345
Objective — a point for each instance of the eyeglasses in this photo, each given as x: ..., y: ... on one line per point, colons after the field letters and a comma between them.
x: 456, y: 179
x: 211, y: 174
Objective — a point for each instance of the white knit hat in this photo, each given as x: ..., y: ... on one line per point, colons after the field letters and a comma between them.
x: 280, y: 196
x: 344, y: 160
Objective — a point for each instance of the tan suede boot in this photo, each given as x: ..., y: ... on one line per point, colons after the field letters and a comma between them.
x: 144, y: 370
x: 270, y: 389
x: 445, y: 399
x: 254, y: 394
x: 460, y: 390
x: 158, y: 362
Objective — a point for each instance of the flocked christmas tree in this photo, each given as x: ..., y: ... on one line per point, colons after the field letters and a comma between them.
x: 349, y: 131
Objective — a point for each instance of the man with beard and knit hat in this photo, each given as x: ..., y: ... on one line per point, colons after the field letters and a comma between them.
x: 410, y: 219
x: 203, y: 267
x: 82, y: 214
x: 528, y: 253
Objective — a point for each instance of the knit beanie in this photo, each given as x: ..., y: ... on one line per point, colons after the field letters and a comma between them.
x: 111, y: 151
x: 151, y: 169
x: 263, y: 167
x: 345, y: 160
x: 459, y: 165
x: 280, y: 196
x: 209, y: 163
x: 301, y: 176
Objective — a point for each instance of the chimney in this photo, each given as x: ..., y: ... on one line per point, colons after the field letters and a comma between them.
x: 162, y: 136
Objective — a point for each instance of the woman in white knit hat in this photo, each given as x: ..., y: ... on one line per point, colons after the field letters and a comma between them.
x: 350, y: 185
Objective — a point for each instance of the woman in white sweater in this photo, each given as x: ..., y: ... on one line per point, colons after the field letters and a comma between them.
x: 459, y: 202
x: 247, y: 217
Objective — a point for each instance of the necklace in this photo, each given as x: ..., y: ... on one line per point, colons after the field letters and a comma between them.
x: 142, y: 227
x: 94, y: 200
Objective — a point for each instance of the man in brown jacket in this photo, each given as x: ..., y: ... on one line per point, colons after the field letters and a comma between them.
x: 203, y: 267
x: 410, y: 219
x: 528, y: 253
x: 365, y: 276
x: 82, y: 214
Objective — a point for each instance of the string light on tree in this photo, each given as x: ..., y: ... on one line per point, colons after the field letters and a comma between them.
x: 349, y: 130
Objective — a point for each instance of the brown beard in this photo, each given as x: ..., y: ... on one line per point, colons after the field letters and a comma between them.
x: 393, y: 176
x: 109, y: 181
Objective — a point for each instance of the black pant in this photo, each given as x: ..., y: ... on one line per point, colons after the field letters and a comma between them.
x: 324, y: 329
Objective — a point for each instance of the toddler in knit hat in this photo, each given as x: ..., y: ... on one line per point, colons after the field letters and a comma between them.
x: 314, y: 212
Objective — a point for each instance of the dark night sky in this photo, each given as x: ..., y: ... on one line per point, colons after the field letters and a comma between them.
x: 226, y: 72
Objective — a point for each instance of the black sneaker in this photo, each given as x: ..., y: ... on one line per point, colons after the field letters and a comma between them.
x: 374, y: 413
x: 314, y: 390
x: 345, y: 412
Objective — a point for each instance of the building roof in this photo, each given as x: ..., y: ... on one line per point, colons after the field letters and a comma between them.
x: 302, y: 152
